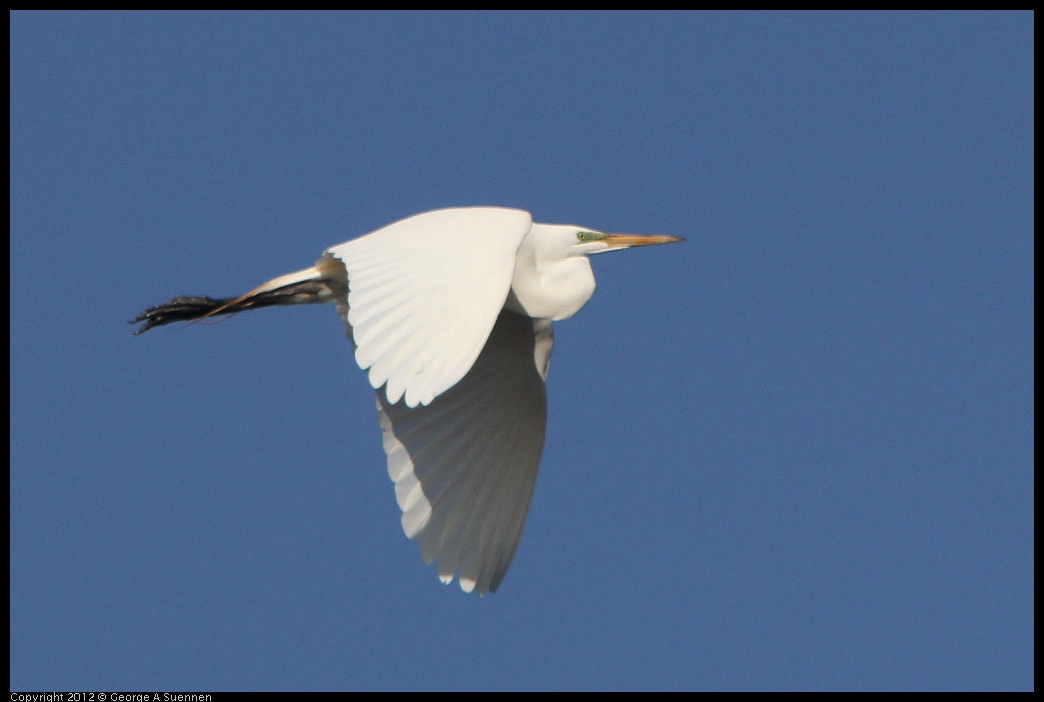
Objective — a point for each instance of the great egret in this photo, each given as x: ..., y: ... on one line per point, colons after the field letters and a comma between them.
x: 451, y: 312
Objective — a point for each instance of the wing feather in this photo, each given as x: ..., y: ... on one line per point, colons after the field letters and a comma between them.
x: 465, y: 465
x: 424, y: 293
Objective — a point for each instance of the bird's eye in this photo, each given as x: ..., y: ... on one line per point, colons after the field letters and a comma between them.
x: 583, y: 236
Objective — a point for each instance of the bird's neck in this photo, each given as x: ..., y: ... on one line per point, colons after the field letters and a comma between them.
x: 552, y: 291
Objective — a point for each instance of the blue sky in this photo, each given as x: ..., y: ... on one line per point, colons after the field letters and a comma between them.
x: 794, y: 452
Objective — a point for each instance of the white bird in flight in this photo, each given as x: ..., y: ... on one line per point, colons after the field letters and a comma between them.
x: 450, y: 311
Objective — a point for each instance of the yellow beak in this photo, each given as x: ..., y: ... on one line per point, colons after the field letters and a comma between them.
x: 625, y: 241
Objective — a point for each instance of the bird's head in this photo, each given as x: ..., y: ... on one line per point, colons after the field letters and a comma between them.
x: 551, y: 242
x: 592, y: 242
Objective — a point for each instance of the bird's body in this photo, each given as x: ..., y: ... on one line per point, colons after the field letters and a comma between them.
x: 450, y: 312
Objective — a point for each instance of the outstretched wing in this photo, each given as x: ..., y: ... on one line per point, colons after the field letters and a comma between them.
x: 424, y: 293
x: 465, y: 465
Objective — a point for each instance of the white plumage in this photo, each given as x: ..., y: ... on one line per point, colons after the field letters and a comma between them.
x: 450, y: 313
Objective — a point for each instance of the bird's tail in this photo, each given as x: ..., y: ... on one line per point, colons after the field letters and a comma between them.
x: 318, y: 283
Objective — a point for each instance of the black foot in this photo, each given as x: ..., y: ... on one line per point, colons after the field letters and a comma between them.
x: 180, y: 309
